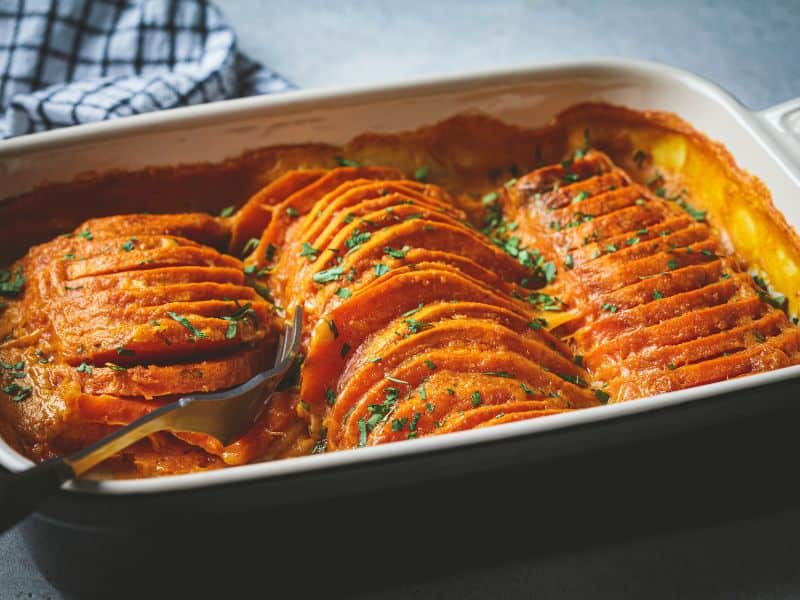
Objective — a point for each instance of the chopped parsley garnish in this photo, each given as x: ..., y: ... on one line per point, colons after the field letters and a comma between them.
x: 345, y: 162
x: 476, y: 399
x: 356, y: 239
x: 416, y: 326
x: 421, y: 174
x: 639, y: 157
x: 568, y: 262
x: 612, y: 308
x: 377, y: 359
x: 330, y: 396
x: 292, y: 212
x: 490, y: 198
x: 11, y: 286
x: 399, y: 424
x: 362, y: 433
x: 697, y: 215
x: 84, y: 368
x: 251, y: 245
x: 672, y: 264
x: 657, y: 295
x: 86, y: 234
x: 333, y: 328
x: 414, y: 420
x: 196, y: 333
x: 429, y: 408
x: 759, y: 336
x: 17, y: 392
x: 422, y: 393
x: 601, y: 396
x: 394, y: 253
x: 345, y: 350
x: 344, y: 293
x: 580, y: 196
x: 777, y: 300
x: 430, y: 364
x: 269, y: 253
x: 498, y: 374
x: 123, y: 351
x: 578, y: 360
x: 129, y: 245
x: 115, y: 367
x: 242, y: 312
x: 227, y: 211
x: 308, y: 251
x: 640, y: 202
x: 380, y: 269
x: 328, y: 275
x: 537, y: 323
x: 632, y: 241
x: 413, y: 311
x: 671, y: 366
x: 611, y: 248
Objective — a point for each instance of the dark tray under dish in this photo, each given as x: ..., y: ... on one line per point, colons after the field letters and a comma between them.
x: 324, y: 532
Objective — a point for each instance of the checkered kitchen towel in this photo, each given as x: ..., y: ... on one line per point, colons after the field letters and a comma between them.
x: 64, y: 62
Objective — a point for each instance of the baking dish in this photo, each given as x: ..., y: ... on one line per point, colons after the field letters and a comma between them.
x: 765, y: 144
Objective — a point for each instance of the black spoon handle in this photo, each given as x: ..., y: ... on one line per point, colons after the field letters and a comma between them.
x: 21, y: 493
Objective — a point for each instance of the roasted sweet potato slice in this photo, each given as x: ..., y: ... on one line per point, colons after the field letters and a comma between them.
x: 372, y: 309
x: 252, y: 218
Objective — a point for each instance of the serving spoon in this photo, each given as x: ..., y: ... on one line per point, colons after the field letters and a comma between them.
x: 225, y: 415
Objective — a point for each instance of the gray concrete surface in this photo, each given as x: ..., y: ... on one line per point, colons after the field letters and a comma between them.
x: 750, y: 48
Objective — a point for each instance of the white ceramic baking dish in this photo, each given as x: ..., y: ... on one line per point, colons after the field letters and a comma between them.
x: 766, y: 144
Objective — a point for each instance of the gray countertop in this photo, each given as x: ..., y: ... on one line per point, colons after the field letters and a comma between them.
x: 749, y: 48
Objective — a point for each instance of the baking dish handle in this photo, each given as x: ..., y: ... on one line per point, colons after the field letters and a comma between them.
x: 783, y: 121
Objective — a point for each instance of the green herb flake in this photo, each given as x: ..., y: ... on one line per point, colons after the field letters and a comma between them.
x: 129, y: 245
x: 639, y: 157
x: 380, y: 269
x: 399, y: 424
x: 580, y: 197
x: 538, y: 323
x: 328, y: 275
x: 657, y: 295
x: 421, y: 174
x: 362, y: 433
x: 84, y: 368
x: 414, y: 420
x: 344, y: 293
x: 227, y: 211
x: 330, y: 397
x: 671, y: 366
x: 430, y: 364
x: 11, y: 285
x: 476, y: 399
x: 612, y: 308
x: 601, y: 396
x: 292, y: 212
x: 17, y: 392
x: 394, y: 253
x: 196, y: 333
x: 86, y: 234
x: 672, y: 264
x: 490, y: 198
x: 632, y: 241
x: 345, y: 350
x: 251, y: 245
x: 308, y: 251
x: 498, y: 374
x: 332, y: 327
x: 345, y: 162
x: 568, y: 262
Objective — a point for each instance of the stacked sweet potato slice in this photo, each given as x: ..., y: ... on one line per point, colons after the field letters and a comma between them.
x: 122, y: 316
x: 416, y: 322
x: 664, y: 305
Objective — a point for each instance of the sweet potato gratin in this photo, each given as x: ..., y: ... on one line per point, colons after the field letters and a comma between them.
x: 464, y: 275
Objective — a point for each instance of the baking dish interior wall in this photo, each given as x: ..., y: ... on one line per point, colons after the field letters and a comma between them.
x: 217, y: 132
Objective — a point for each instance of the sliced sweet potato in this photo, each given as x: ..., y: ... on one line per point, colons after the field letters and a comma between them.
x: 252, y: 218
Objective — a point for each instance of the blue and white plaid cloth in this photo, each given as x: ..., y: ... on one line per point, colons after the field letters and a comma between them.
x: 65, y: 62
